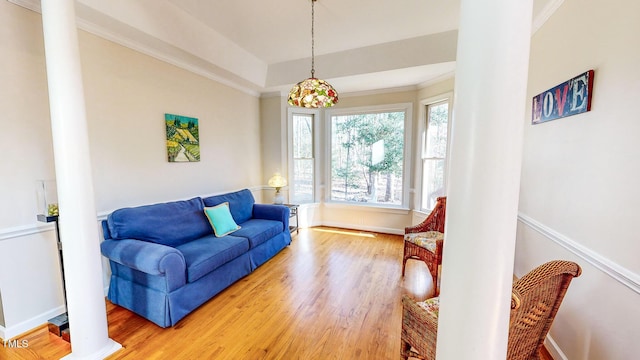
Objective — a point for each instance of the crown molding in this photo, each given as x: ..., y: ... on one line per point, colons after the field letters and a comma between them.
x: 102, y: 32
x: 33, y: 5
x: 545, y: 14
x: 441, y: 78
x: 110, y: 35
x: 147, y: 50
x: 379, y: 91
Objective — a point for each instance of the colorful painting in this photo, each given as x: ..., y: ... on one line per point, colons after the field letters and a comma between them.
x: 569, y: 98
x: 183, y: 144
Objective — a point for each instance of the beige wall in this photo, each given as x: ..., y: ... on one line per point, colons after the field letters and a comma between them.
x: 436, y: 89
x: 127, y: 95
x: 273, y: 115
x: 579, y: 177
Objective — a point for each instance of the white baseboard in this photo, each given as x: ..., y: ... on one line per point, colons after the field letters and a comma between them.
x: 554, y: 349
x: 377, y: 229
x: 29, y: 324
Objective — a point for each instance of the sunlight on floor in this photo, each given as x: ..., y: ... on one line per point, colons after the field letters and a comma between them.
x: 346, y: 232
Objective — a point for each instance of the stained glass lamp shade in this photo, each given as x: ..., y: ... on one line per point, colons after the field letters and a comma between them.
x: 313, y: 93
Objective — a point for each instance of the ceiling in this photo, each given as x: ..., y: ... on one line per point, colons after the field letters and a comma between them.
x: 264, y: 47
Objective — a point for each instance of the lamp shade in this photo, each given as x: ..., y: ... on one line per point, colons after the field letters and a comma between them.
x: 277, y: 181
x: 313, y: 93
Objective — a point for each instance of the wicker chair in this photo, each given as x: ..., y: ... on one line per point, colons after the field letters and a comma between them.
x: 424, y: 241
x: 535, y: 299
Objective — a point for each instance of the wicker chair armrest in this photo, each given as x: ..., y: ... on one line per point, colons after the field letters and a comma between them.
x: 422, y: 227
x: 420, y: 328
x: 553, y: 268
x: 515, y: 300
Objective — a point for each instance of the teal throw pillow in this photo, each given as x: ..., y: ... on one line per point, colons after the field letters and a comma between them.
x: 221, y: 220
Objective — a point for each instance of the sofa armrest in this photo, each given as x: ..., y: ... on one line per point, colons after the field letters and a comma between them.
x: 272, y: 212
x: 147, y: 257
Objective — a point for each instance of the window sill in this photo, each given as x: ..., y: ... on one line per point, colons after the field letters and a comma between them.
x: 368, y: 207
x: 422, y: 212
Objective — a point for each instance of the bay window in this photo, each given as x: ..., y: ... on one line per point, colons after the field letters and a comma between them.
x: 366, y: 155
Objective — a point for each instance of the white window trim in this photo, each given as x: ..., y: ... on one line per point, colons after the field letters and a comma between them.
x: 316, y: 147
x: 422, y: 132
x: 406, y: 176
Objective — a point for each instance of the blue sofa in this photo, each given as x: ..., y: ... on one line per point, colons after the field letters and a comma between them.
x: 166, y: 261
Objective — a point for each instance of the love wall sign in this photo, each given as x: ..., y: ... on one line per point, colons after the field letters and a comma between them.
x: 569, y: 98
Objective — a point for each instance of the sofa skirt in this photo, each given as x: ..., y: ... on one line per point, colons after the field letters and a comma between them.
x: 166, y: 309
x: 265, y: 251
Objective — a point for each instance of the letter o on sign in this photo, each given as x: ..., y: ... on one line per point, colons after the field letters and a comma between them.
x: 547, y: 104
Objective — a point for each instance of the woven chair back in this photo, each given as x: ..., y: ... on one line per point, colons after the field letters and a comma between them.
x: 535, y: 301
x: 435, y: 219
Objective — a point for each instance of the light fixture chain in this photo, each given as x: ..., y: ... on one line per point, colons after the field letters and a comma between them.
x: 313, y: 70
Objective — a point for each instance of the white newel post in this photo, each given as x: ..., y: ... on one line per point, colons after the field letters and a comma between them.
x: 484, y: 178
x: 78, y: 224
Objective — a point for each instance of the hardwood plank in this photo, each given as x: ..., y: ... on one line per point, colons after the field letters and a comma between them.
x: 332, y: 294
x: 36, y: 344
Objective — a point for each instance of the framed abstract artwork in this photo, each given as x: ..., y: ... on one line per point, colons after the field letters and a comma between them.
x: 183, y: 144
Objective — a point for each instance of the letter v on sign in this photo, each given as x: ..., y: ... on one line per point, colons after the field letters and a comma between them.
x: 561, y: 100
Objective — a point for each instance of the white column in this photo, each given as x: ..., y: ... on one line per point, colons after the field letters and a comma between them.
x: 484, y: 178
x: 78, y: 227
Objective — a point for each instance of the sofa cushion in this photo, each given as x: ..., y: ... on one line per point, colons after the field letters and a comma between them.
x: 170, y: 223
x: 221, y: 220
x: 240, y: 203
x: 209, y: 253
x: 258, y: 231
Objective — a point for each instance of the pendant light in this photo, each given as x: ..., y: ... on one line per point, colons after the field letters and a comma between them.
x: 313, y: 92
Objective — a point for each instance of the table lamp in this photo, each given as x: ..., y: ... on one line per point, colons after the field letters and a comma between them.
x: 277, y: 182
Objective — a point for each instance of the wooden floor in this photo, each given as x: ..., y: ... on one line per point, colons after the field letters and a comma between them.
x: 332, y: 294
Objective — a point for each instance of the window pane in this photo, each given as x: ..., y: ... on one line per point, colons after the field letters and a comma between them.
x: 432, y: 182
x: 302, y: 136
x: 302, y: 187
x: 302, y: 179
x: 436, y: 141
x: 367, y: 157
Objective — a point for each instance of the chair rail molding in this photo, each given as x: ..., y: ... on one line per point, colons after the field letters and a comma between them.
x: 20, y: 231
x: 609, y: 267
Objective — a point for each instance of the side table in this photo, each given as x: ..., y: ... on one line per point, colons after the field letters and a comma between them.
x: 58, y: 325
x: 293, y: 212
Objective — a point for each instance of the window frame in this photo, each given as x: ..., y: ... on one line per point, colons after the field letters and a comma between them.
x: 407, y: 108
x: 315, y: 113
x: 421, y: 151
